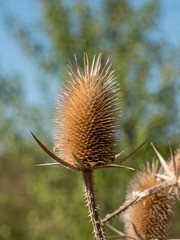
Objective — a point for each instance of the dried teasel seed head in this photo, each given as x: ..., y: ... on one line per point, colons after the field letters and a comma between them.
x: 152, y: 215
x: 86, y: 120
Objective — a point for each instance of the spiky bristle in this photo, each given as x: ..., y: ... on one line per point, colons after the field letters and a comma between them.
x: 177, y: 161
x: 86, y: 116
x: 151, y: 216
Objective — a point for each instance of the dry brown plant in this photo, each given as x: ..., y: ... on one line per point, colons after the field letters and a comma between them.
x: 151, y: 217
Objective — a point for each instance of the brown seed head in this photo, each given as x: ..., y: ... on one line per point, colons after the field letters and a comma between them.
x: 86, y: 115
x: 152, y: 215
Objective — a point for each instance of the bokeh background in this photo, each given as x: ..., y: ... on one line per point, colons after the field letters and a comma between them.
x: 142, y: 39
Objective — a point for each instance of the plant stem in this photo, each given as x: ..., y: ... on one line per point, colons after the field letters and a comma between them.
x: 90, y: 195
x: 142, y: 195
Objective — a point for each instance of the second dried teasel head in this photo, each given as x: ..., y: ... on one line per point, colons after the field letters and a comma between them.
x: 151, y: 217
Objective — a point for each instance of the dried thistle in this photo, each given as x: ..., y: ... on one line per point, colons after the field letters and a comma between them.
x: 86, y: 122
x: 150, y: 218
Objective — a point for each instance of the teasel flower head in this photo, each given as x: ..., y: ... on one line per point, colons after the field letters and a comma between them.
x: 86, y: 120
x: 150, y: 218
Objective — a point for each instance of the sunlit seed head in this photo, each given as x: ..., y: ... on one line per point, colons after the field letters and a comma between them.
x: 151, y: 216
x: 86, y: 121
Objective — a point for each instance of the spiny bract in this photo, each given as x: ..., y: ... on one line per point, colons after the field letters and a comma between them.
x: 86, y: 120
x: 177, y: 161
x: 151, y: 216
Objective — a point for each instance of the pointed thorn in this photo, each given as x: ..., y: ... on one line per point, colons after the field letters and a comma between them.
x: 173, y: 160
x: 114, y: 229
x: 79, y: 162
x: 47, y: 164
x: 53, y: 155
x: 113, y: 165
x: 161, y: 159
x: 133, y: 152
x: 119, y: 154
x: 178, y: 192
x: 137, y: 233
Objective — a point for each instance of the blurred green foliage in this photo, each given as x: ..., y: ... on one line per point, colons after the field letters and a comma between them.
x: 47, y: 203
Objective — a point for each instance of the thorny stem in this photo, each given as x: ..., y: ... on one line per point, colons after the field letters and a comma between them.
x: 90, y: 195
x: 136, y: 199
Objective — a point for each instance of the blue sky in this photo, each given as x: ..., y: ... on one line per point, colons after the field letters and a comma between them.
x: 13, y: 60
